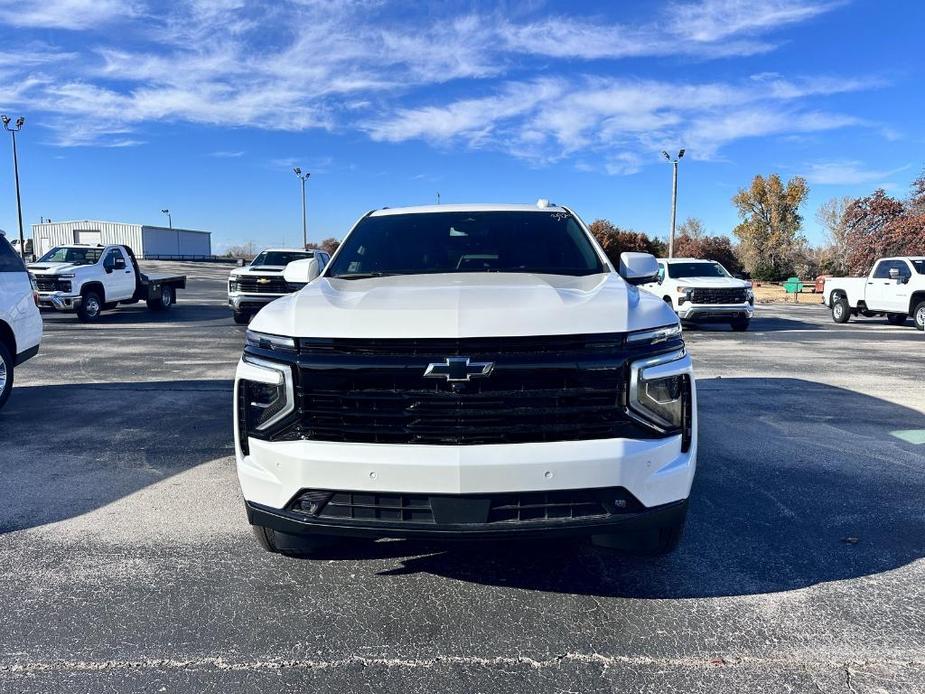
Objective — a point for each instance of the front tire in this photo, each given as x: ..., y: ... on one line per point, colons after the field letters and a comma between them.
x: 740, y: 324
x: 275, y: 542
x: 242, y: 318
x: 841, y: 312
x: 6, y: 374
x: 652, y: 542
x: 91, y: 306
x: 919, y: 315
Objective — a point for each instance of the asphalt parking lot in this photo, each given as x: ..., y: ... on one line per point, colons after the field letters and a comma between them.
x: 126, y: 562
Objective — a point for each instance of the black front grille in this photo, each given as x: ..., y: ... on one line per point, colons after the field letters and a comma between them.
x: 702, y: 295
x: 558, y: 388
x: 46, y: 284
x: 429, y: 509
x: 262, y: 284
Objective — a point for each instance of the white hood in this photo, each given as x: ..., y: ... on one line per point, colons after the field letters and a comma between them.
x: 463, y: 305
x: 710, y: 282
x: 55, y: 268
x: 259, y: 270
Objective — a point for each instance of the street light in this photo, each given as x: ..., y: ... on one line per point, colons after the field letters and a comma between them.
x: 12, y: 131
x: 302, y: 178
x: 674, y: 198
x: 169, y: 219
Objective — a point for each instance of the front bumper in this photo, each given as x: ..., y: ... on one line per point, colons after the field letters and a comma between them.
x: 60, y: 301
x: 251, y: 302
x: 296, y: 524
x: 719, y: 313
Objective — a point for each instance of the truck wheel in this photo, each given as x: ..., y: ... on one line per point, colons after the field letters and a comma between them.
x: 6, y: 374
x: 91, y: 306
x: 841, y: 312
x: 896, y: 318
x: 242, y: 318
x: 652, y: 542
x: 291, y: 545
x: 163, y: 301
x: 740, y: 324
x: 919, y: 315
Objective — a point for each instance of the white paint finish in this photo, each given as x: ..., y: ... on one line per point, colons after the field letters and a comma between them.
x: 18, y: 310
x: 878, y: 293
x: 463, y: 305
x: 656, y: 471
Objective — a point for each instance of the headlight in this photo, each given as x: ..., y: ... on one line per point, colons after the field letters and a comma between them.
x: 684, y: 294
x: 274, y: 343
x: 233, y: 284
x: 64, y: 285
x: 266, y: 395
x: 656, y: 335
x: 660, y: 393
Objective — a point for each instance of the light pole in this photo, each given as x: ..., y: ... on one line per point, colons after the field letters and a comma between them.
x: 674, y: 198
x: 169, y: 219
x: 302, y: 178
x: 12, y: 131
x: 438, y: 198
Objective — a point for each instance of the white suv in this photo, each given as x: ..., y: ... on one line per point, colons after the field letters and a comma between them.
x: 20, y: 321
x: 470, y: 371
x: 703, y: 291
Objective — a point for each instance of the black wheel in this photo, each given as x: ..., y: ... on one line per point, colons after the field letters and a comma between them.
x: 841, y: 312
x: 163, y: 300
x: 241, y: 318
x: 292, y: 545
x: 6, y: 374
x: 651, y: 542
x: 896, y: 318
x: 740, y: 324
x: 919, y: 316
x: 90, y: 307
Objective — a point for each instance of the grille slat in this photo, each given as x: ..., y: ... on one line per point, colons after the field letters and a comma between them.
x: 253, y: 284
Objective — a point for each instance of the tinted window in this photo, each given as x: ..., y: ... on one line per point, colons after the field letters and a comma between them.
x: 919, y: 266
x: 449, y: 242
x: 71, y: 254
x: 680, y: 270
x: 9, y: 258
x: 279, y: 258
x: 112, y: 259
x: 884, y: 267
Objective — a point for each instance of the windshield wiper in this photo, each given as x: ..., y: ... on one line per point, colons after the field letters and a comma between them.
x: 362, y: 275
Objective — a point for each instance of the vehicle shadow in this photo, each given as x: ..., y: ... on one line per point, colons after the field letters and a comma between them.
x: 798, y: 483
x: 181, y: 312
x: 66, y: 450
x: 759, y: 324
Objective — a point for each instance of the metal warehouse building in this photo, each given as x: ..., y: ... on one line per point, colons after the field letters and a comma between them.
x: 147, y: 241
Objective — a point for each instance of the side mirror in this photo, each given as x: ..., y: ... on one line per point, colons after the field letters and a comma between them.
x: 894, y: 273
x: 638, y: 268
x: 302, y: 271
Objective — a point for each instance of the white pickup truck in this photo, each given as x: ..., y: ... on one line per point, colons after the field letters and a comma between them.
x: 468, y: 371
x: 20, y: 322
x: 88, y: 279
x: 252, y: 287
x: 895, y: 288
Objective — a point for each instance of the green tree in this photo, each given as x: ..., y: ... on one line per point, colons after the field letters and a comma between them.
x: 769, y: 233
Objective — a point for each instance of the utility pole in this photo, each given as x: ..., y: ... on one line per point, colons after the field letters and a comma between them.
x: 674, y: 197
x: 12, y: 131
x: 170, y: 224
x: 302, y: 178
x: 438, y: 198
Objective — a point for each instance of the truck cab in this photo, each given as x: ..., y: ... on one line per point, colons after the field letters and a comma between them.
x: 252, y: 287
x: 703, y: 291
x: 20, y: 322
x: 467, y: 371
x: 895, y: 288
x: 88, y: 279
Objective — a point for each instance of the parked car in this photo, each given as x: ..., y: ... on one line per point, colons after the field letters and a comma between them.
x: 253, y: 287
x: 467, y: 371
x: 88, y: 279
x: 703, y: 291
x: 20, y: 322
x: 895, y: 288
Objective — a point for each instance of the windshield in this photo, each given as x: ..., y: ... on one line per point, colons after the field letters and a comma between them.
x: 75, y: 256
x: 681, y: 270
x: 281, y: 258
x: 919, y: 266
x: 448, y: 242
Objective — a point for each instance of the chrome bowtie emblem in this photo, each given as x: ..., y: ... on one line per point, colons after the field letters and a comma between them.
x: 263, y: 280
x: 456, y: 369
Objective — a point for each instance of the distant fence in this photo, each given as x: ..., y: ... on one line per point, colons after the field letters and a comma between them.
x: 195, y: 258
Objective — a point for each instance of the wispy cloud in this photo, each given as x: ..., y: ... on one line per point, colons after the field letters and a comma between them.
x: 362, y: 65
x: 847, y: 172
x: 226, y: 154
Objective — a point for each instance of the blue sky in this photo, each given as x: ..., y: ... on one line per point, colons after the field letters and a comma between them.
x: 204, y: 107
